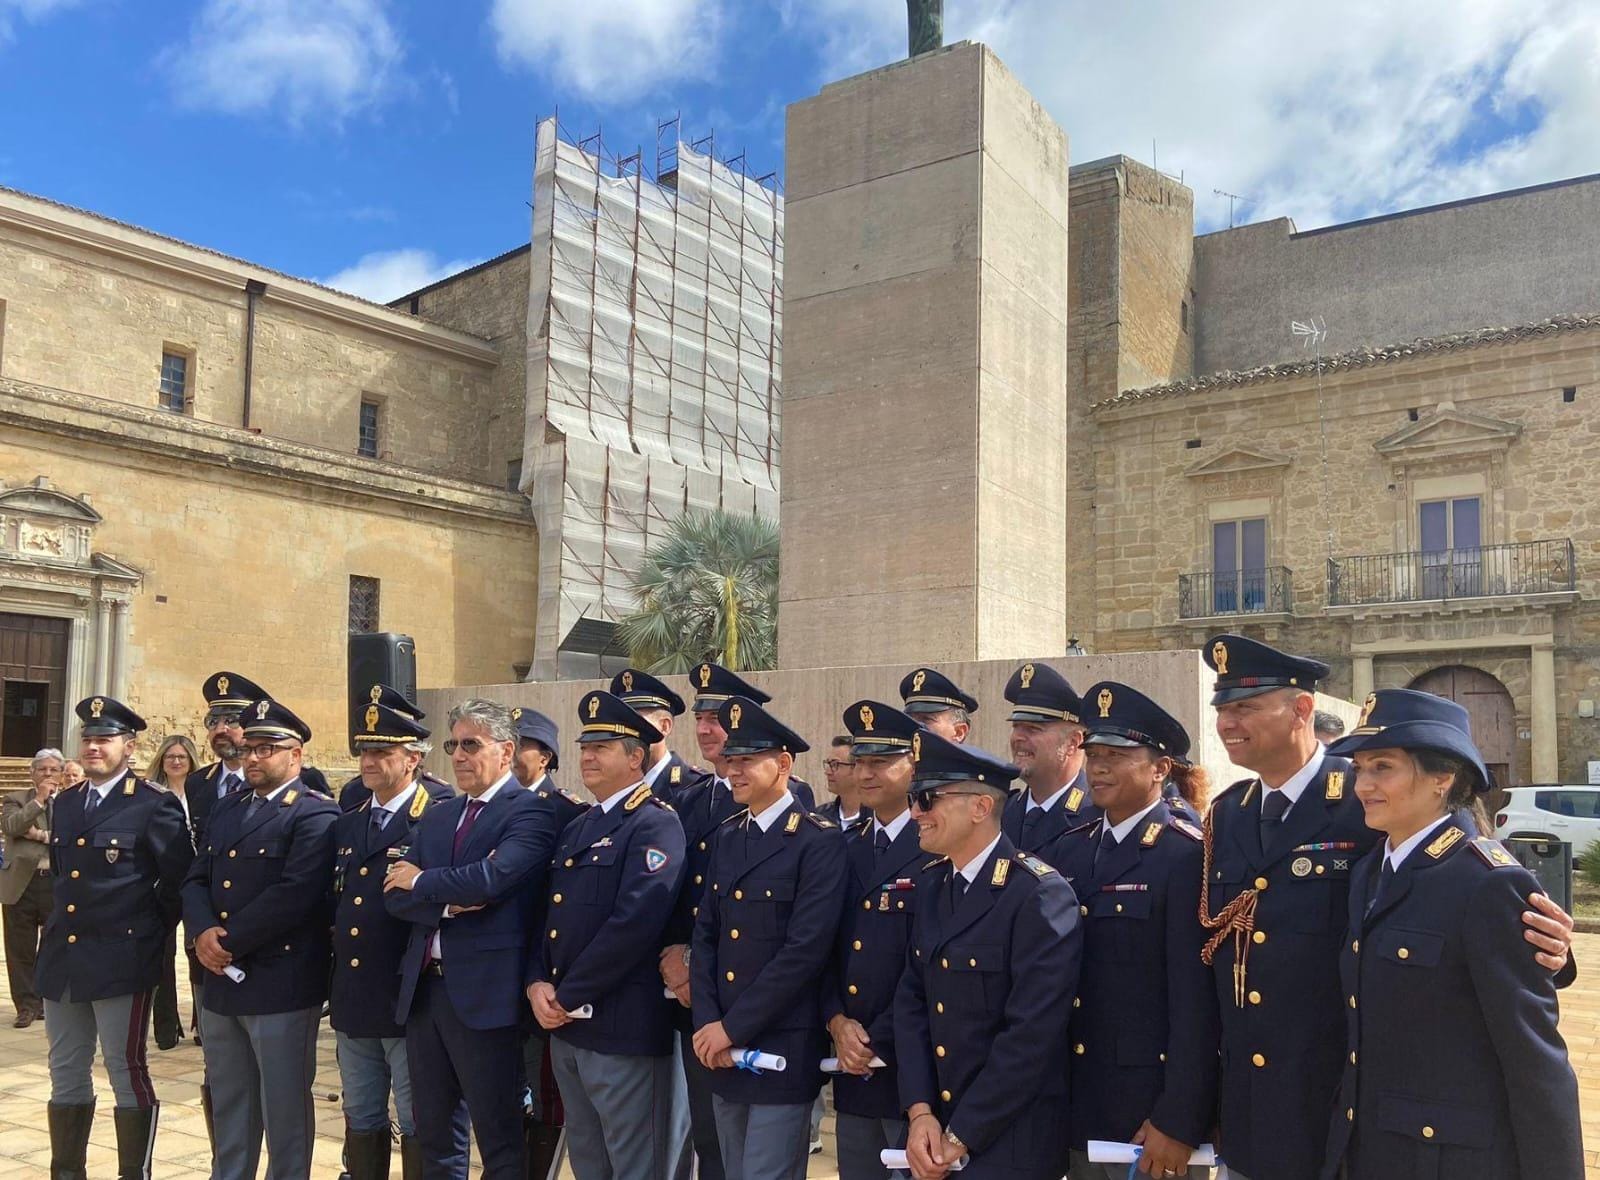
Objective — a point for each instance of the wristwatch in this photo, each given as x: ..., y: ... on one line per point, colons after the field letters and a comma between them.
x: 954, y: 1141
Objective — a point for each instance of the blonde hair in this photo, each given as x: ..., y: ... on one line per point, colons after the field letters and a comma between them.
x: 155, y: 774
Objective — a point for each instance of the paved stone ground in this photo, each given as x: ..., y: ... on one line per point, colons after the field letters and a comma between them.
x: 182, y: 1153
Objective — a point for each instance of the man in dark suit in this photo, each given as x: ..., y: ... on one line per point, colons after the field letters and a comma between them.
x: 119, y: 848
x: 368, y: 944
x: 470, y: 885
x: 869, y: 956
x: 667, y: 774
x: 260, y: 899
x: 761, y: 946
x: 1047, y: 746
x: 980, y: 1017
x: 355, y: 791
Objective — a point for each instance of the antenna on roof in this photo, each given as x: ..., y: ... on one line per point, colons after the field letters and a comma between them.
x: 1312, y: 332
x: 1232, y: 197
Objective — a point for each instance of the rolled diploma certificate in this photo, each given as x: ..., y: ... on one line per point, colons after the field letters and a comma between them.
x: 1104, y: 1151
x: 233, y: 973
x: 831, y: 1064
x: 893, y: 1158
x: 759, y: 1060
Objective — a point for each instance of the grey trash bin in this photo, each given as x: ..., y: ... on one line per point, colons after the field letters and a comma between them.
x: 1551, y: 862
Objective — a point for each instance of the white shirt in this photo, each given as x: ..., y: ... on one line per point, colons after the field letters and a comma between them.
x: 973, y: 867
x: 654, y: 772
x: 1397, y: 856
x: 1125, y: 828
x: 399, y: 801
x: 607, y: 804
x: 895, y: 826
x: 536, y: 783
x: 1051, y: 801
x: 1299, y: 780
x: 437, y: 949
x: 770, y: 816
x: 105, y: 788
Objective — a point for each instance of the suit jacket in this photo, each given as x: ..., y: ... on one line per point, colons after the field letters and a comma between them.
x: 613, y: 884
x: 267, y: 880
x: 502, y: 867
x: 19, y: 811
x: 980, y: 1018
x: 869, y: 957
x: 1454, y: 1065
x: 115, y: 893
x: 1072, y: 810
x: 1289, y: 1009
x: 368, y: 941
x: 1145, y: 1029
x: 761, y: 945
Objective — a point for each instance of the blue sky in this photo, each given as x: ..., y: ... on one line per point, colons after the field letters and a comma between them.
x: 379, y: 143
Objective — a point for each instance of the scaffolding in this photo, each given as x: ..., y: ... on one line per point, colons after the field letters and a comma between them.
x: 655, y: 315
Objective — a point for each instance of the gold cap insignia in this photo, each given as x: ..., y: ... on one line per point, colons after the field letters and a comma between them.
x: 516, y: 714
x: 627, y: 682
x: 261, y: 709
x: 866, y: 717
x: 372, y: 718
x: 916, y: 747
x: 222, y: 686
x: 96, y: 707
x: 919, y: 680
x: 1367, y: 706
x: 733, y: 716
x: 1104, y: 701
x: 594, y: 707
x: 1027, y: 676
x: 705, y: 675
x: 1219, y: 653
x: 375, y: 694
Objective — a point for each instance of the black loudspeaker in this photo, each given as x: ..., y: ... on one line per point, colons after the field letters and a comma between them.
x: 380, y: 657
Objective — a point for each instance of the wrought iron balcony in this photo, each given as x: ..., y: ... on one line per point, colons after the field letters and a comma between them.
x: 1489, y: 571
x: 1243, y: 592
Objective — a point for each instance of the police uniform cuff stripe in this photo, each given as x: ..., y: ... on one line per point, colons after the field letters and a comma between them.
x: 951, y: 701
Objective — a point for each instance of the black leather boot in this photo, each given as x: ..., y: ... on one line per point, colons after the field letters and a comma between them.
x: 542, y: 1149
x: 209, y: 1114
x: 410, y: 1158
x: 366, y: 1154
x: 69, y: 1140
x: 136, y: 1135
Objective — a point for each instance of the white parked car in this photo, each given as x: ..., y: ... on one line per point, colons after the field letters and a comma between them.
x: 1551, y: 811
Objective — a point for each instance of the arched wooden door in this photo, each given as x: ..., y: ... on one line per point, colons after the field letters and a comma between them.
x: 1494, y: 717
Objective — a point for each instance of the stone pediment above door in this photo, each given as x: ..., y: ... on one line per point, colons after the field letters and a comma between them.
x: 1449, y: 432
x: 1239, y: 461
x: 40, y: 524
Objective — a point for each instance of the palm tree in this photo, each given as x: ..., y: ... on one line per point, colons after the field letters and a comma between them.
x: 708, y: 591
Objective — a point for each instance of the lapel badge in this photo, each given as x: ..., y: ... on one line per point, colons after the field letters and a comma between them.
x: 418, y: 802
x: 1074, y: 799
x: 127, y: 787
x: 677, y: 775
x: 1152, y: 833
x: 290, y: 796
x: 1219, y: 653
x: 793, y: 825
x: 603, y: 842
x: 1301, y: 866
x: 1001, y: 868
x: 1445, y: 842
x: 883, y: 903
x: 1335, y: 788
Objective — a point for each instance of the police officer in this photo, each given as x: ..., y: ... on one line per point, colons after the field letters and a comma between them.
x: 883, y: 857
x: 119, y: 848
x: 1454, y: 1066
x: 226, y: 695
x: 1144, y: 1029
x: 980, y: 1017
x: 938, y: 703
x: 1279, y: 847
x: 713, y: 686
x: 845, y: 807
x: 593, y: 983
x: 355, y: 792
x: 762, y: 940
x: 1047, y: 744
x: 667, y: 774
x: 259, y: 897
x: 537, y: 755
x: 368, y: 944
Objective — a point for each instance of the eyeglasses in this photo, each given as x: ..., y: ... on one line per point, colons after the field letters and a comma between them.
x: 923, y: 798
x: 470, y: 745
x: 215, y: 719
x: 834, y: 765
x: 263, y: 751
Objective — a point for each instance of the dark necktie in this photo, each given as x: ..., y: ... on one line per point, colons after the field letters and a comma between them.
x: 473, y: 807
x: 1108, y: 845
x: 880, y: 842
x: 380, y: 819
x: 231, y: 782
x: 90, y: 802
x: 960, y: 883
x: 1272, y: 808
x: 1031, y: 818
x: 1385, y: 878
x: 252, y: 807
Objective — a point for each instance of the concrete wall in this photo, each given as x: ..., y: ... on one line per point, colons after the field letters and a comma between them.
x: 1516, y: 257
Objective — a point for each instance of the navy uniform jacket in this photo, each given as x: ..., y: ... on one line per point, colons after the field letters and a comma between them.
x: 831, y: 809
x: 1145, y: 1028
x: 1288, y: 1008
x: 354, y: 793
x: 613, y: 883
x: 268, y: 882
x: 980, y: 1018
x: 116, y: 878
x: 803, y: 794
x: 702, y: 809
x: 200, y: 791
x: 502, y: 867
x: 676, y: 777
x: 1458, y: 1068
x: 1178, y: 805
x: 368, y: 941
x: 1072, y: 810
x: 566, y: 805
x: 761, y: 946
x: 869, y: 957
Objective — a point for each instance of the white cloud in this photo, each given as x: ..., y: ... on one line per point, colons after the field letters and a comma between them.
x: 303, y: 59
x: 389, y: 274
x: 611, y: 51
x: 1320, y: 114
x: 13, y: 11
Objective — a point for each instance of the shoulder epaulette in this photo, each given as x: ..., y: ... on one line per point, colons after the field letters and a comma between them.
x: 1493, y: 853
x: 1034, y: 865
x: 1184, y: 826
x: 636, y: 800
x: 658, y: 801
x: 742, y: 814
x: 570, y: 797
x: 821, y: 821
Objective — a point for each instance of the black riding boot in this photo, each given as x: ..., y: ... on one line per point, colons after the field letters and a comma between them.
x: 366, y: 1154
x: 69, y: 1140
x: 136, y: 1134
x: 410, y: 1158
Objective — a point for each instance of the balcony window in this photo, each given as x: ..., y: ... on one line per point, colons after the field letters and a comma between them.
x: 1238, y: 565
x: 1452, y: 555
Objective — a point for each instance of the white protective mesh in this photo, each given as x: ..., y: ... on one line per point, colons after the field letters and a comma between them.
x: 653, y: 369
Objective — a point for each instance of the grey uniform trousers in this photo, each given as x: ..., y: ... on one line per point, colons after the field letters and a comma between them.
x: 121, y: 1025
x: 763, y: 1142
x: 621, y: 1118
x: 260, y: 1070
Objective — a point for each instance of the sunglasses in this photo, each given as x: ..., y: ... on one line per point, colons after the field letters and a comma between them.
x: 215, y: 719
x: 923, y: 798
x: 469, y: 745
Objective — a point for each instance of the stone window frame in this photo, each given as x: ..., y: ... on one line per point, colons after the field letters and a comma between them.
x: 374, y: 402
x: 1460, y: 485
x: 365, y: 603
x: 190, y: 367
